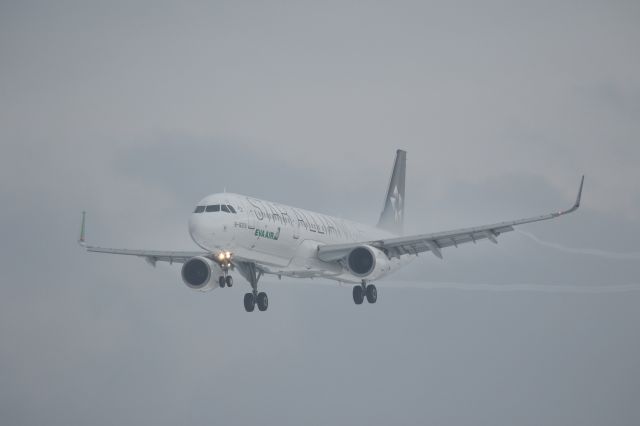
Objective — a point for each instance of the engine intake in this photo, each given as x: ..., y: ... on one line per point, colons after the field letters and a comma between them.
x: 200, y: 273
x: 366, y: 261
x: 361, y: 261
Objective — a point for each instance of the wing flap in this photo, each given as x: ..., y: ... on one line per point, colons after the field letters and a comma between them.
x: 434, y: 243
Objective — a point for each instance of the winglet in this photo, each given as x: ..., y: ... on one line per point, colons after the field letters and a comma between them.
x: 81, y: 239
x: 578, y: 198
x: 580, y: 192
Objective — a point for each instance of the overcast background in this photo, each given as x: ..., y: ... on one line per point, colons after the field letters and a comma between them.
x: 133, y: 111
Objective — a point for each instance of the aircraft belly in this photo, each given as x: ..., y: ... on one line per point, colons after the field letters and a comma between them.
x: 305, y: 263
x: 311, y: 267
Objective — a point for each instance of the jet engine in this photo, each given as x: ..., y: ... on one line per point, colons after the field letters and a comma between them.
x: 200, y: 273
x: 367, y: 262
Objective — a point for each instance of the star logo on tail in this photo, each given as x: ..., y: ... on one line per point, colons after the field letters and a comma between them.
x: 396, y: 203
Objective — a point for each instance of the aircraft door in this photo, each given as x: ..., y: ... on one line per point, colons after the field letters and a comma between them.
x: 251, y: 225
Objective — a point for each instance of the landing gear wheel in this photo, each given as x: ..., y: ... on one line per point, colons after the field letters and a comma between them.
x: 249, y: 302
x: 229, y: 281
x: 372, y: 293
x: 221, y: 281
x: 263, y: 301
x: 253, y: 274
x: 358, y: 294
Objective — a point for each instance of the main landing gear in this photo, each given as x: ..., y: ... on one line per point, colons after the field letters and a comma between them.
x: 252, y: 274
x: 252, y: 299
x: 363, y: 290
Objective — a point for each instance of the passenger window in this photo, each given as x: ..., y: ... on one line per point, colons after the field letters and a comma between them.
x: 213, y: 208
x: 231, y: 209
x: 224, y: 208
x: 199, y: 209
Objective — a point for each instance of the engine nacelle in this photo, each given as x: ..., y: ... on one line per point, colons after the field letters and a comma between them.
x: 200, y: 273
x: 367, y: 262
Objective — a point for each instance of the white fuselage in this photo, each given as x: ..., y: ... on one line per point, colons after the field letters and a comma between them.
x: 282, y: 239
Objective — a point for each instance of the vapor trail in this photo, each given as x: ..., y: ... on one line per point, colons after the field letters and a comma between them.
x: 540, y: 288
x: 591, y: 252
x: 390, y: 283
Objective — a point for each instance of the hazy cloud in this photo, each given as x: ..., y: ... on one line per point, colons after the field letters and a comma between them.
x: 135, y: 111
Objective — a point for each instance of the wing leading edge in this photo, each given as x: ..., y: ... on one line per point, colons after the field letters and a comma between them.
x: 395, y: 247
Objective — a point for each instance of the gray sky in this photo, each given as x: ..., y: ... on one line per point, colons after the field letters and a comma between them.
x: 134, y: 111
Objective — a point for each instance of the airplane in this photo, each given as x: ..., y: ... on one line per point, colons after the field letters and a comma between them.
x: 256, y: 237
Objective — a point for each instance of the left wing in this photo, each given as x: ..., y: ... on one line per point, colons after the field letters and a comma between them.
x: 395, y: 247
x: 151, y: 256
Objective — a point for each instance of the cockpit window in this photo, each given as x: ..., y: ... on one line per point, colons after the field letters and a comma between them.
x: 215, y: 208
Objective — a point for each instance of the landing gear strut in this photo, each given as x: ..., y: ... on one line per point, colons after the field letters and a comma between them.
x: 362, y: 290
x: 253, y: 274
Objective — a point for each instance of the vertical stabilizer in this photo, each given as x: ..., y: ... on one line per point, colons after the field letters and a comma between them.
x: 392, y: 217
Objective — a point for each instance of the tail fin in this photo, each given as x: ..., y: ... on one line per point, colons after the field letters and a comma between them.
x: 392, y: 216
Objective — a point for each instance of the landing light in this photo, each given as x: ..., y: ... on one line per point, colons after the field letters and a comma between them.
x: 228, y: 255
x: 221, y: 256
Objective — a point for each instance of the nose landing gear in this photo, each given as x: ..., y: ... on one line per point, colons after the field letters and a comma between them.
x: 225, y: 280
x: 224, y: 260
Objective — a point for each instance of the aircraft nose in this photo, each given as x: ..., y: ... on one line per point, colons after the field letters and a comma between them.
x: 199, y: 229
x: 210, y: 231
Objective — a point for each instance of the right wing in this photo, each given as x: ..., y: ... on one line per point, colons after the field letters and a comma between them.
x: 395, y: 247
x: 151, y: 256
